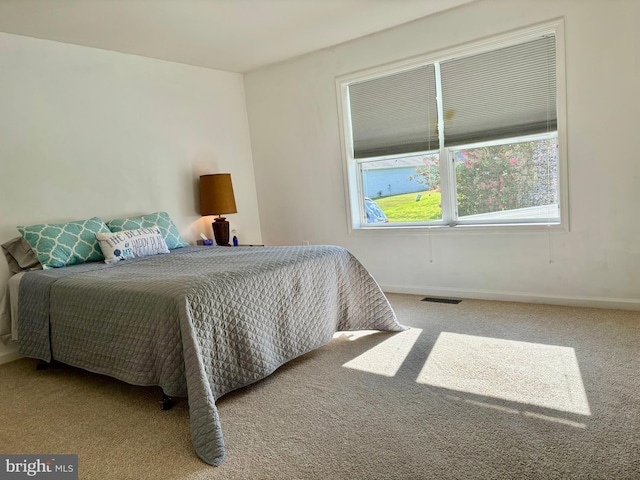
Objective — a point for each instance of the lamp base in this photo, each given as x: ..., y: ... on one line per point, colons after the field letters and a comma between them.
x: 221, y: 231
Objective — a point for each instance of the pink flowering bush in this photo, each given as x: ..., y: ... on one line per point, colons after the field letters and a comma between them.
x: 505, y: 177
x: 500, y: 177
x: 428, y: 174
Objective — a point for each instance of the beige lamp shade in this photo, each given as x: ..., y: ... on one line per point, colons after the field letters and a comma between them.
x: 216, y: 194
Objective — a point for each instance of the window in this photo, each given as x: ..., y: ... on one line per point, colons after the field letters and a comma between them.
x: 466, y: 137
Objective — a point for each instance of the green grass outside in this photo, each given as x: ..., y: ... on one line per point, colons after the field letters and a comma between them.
x: 405, y: 208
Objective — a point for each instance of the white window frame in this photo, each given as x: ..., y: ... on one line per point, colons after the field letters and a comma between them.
x: 353, y: 179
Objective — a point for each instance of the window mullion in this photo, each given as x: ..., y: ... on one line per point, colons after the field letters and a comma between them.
x: 446, y: 185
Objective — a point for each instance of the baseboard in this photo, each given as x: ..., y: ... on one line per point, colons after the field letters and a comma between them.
x: 573, y: 301
x: 9, y: 354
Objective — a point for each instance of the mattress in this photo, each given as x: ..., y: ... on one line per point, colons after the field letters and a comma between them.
x: 200, y: 321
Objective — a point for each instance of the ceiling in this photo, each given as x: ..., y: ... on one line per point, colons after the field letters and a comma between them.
x: 232, y: 35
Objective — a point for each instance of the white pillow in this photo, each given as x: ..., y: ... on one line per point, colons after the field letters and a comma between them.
x: 127, y: 244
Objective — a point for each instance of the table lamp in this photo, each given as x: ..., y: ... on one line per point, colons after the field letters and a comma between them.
x: 216, y: 198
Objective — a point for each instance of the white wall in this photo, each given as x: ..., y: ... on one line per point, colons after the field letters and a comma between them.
x: 87, y: 132
x: 300, y: 176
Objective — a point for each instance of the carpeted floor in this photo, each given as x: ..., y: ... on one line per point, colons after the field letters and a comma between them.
x: 478, y: 390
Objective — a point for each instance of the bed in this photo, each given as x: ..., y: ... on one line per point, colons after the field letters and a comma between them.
x: 200, y: 321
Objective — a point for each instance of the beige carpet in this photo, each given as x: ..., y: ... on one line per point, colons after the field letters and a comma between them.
x: 479, y: 390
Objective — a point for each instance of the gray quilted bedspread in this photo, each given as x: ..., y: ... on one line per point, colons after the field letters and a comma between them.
x: 200, y: 321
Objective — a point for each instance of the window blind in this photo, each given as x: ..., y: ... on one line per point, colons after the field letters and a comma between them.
x: 499, y: 94
x: 394, y: 114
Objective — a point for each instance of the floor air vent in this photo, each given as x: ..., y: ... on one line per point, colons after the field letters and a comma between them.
x: 441, y: 300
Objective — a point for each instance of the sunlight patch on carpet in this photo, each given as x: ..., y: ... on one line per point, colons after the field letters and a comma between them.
x: 387, y: 357
x: 531, y: 373
x: 353, y: 335
x: 514, y: 411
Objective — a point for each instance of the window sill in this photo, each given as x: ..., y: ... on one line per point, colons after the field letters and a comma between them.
x: 485, y: 229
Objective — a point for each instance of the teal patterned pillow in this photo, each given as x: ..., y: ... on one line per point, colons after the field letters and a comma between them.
x: 61, y: 244
x: 167, y: 228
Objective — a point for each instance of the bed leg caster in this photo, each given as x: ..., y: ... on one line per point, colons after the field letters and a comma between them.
x: 166, y: 403
x: 42, y: 365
